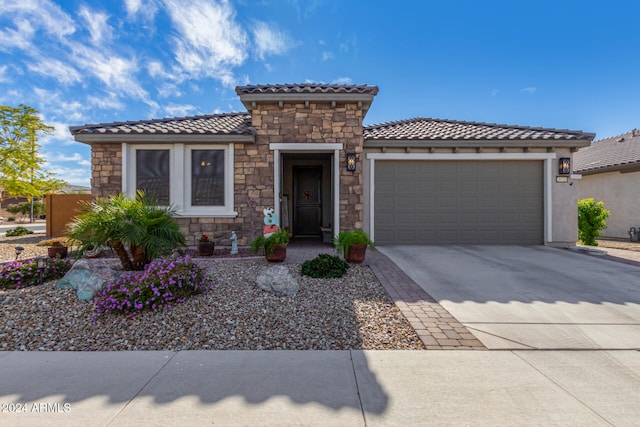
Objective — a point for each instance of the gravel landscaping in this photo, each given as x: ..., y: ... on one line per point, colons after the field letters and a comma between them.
x: 353, y: 312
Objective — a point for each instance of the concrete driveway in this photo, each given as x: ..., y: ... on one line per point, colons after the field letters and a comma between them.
x: 516, y: 297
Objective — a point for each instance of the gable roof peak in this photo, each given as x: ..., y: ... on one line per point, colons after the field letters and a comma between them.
x: 310, y: 88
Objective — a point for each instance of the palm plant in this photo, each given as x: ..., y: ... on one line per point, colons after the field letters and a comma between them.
x: 137, y: 229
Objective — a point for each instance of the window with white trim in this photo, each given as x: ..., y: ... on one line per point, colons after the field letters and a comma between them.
x: 195, y: 178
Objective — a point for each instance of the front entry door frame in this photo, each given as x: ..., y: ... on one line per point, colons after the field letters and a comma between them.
x: 307, y: 200
x: 279, y: 148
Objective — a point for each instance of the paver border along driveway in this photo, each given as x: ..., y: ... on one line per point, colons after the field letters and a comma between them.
x: 530, y: 297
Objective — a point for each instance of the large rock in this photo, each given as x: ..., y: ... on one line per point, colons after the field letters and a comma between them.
x: 278, y: 279
x: 88, y: 276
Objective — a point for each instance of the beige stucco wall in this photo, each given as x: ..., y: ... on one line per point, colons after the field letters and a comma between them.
x: 620, y: 193
x: 564, y: 203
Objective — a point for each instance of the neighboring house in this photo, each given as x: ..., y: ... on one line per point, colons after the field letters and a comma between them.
x: 610, y: 171
x: 417, y: 181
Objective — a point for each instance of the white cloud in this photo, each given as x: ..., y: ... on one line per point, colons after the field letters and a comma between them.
x: 109, y: 101
x: 58, y: 70
x: 53, y: 101
x: 116, y: 72
x: 166, y: 90
x: 76, y: 176
x: 132, y: 6
x: 269, y: 41
x: 3, y: 74
x: 342, y: 81
x: 75, y: 157
x: 20, y: 38
x: 209, y: 42
x: 97, y: 25
x: 40, y: 14
x: 60, y: 134
x: 530, y: 89
x: 327, y: 55
x: 179, y: 110
x: 147, y: 9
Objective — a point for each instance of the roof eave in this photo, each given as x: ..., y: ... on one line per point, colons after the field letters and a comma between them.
x: 497, y: 143
x: 626, y: 168
x: 148, y: 138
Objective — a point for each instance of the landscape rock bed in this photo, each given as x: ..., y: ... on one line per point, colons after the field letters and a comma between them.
x: 353, y: 312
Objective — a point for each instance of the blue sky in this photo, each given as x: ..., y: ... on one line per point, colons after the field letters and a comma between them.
x: 560, y: 64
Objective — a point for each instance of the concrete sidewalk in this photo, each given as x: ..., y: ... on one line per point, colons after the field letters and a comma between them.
x: 350, y: 388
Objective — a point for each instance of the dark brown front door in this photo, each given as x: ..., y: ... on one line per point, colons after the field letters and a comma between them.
x: 307, y: 200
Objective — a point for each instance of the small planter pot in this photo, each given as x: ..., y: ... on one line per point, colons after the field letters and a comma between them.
x: 356, y: 253
x: 57, y: 252
x: 278, y: 255
x: 205, y: 248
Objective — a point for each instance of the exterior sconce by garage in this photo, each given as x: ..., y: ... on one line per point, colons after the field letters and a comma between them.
x: 564, y: 166
x: 351, y: 162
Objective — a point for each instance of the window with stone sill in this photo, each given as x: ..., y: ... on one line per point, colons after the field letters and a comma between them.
x: 196, y: 178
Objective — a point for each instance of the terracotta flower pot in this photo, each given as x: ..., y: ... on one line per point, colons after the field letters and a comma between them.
x: 57, y: 251
x: 278, y: 255
x: 205, y: 248
x: 356, y: 253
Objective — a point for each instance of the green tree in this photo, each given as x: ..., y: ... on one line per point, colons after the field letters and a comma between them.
x: 137, y: 229
x: 25, y: 208
x: 21, y: 166
x: 592, y: 217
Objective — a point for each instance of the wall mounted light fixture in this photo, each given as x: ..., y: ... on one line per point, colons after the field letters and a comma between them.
x: 351, y: 162
x: 564, y: 166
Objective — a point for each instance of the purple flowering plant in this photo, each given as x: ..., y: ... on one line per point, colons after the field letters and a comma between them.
x: 22, y: 274
x: 163, y: 282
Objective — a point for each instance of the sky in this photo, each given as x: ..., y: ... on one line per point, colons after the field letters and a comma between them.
x: 559, y: 64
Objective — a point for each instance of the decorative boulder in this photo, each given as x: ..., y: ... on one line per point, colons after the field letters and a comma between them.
x: 279, y: 280
x: 88, y: 276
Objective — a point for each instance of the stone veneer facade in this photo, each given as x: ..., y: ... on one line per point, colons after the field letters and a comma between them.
x: 323, y: 123
x: 106, y: 169
x: 317, y: 122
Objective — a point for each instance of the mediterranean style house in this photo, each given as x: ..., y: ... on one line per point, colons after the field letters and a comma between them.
x: 303, y: 150
x: 610, y: 170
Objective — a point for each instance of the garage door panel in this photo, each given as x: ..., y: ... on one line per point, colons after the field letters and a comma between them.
x: 463, y: 202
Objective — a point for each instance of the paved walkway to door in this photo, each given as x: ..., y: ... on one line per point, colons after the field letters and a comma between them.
x: 435, y: 326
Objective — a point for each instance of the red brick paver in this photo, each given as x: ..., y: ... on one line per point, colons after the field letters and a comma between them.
x: 435, y: 326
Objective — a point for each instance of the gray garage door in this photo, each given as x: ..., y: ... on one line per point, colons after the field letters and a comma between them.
x: 459, y: 202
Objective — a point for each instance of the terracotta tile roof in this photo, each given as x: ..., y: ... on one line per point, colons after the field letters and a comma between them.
x: 215, y: 124
x: 614, y: 153
x: 306, y: 88
x: 421, y: 128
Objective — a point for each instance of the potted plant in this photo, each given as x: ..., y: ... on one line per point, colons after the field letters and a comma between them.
x: 57, y: 250
x: 353, y: 245
x: 274, y: 246
x: 205, y: 246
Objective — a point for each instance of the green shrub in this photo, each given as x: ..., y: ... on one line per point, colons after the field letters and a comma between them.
x: 22, y: 274
x: 162, y: 283
x: 591, y: 220
x: 324, y: 266
x: 18, y: 231
x: 11, y: 218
